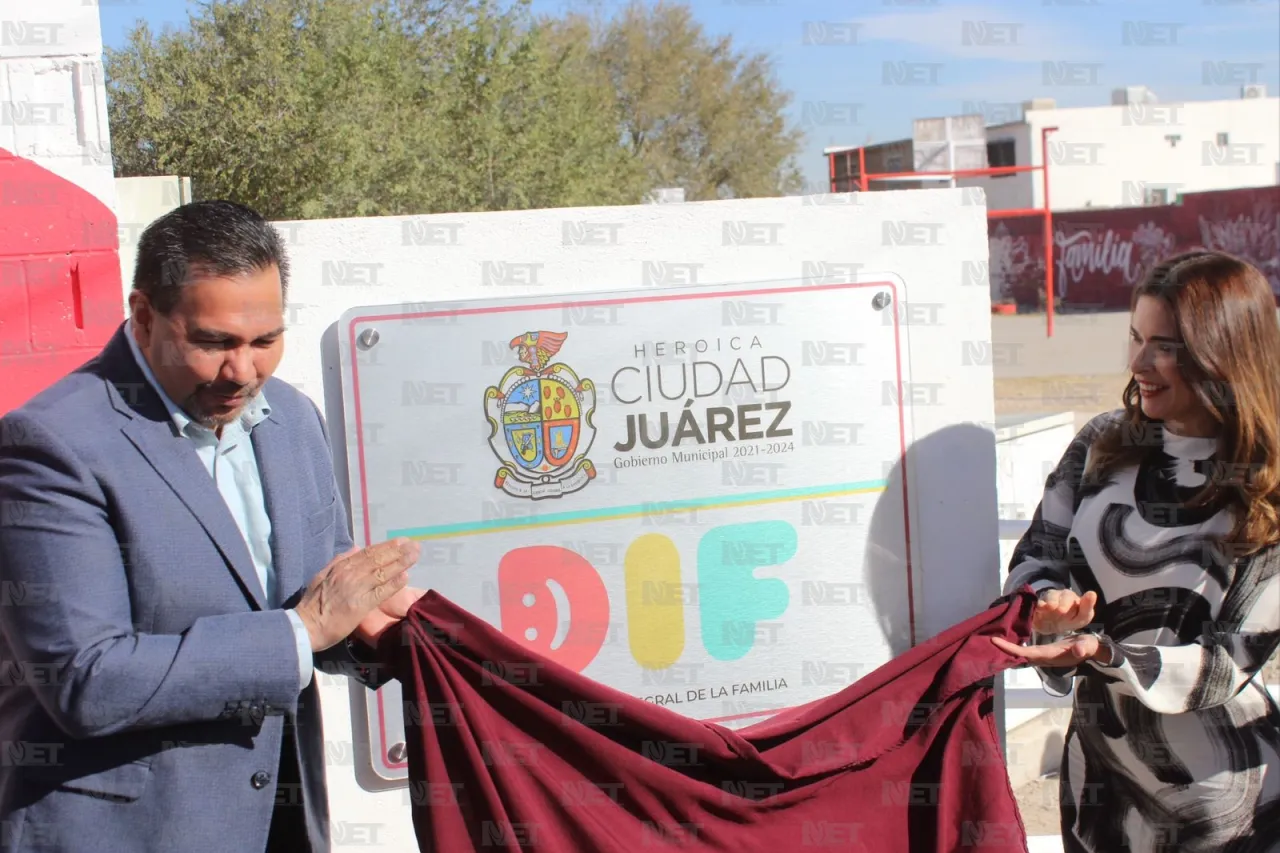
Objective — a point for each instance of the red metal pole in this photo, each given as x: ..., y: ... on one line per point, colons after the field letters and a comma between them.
x: 831, y: 168
x: 991, y: 171
x: 1015, y: 211
x: 1048, y: 227
x: 1045, y: 210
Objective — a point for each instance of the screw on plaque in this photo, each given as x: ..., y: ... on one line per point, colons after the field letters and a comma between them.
x: 368, y: 338
x: 399, y: 752
x: 880, y: 301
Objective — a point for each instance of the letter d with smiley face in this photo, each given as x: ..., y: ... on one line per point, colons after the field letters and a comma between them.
x: 553, y: 601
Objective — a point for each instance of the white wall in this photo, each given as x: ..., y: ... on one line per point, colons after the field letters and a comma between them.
x: 141, y: 201
x: 1105, y: 156
x: 1009, y: 192
x: 52, y: 92
x: 342, y: 264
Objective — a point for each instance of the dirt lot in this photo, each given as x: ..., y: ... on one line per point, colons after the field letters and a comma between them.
x: 1085, y: 395
x: 1038, y: 802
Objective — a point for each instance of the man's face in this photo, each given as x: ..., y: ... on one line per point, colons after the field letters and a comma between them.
x: 218, y: 346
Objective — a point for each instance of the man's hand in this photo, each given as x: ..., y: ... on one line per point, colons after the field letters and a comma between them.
x: 1067, y: 653
x: 352, y: 587
x: 387, y: 614
x: 1061, y: 611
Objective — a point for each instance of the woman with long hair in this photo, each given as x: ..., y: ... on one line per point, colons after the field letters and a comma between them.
x: 1156, y: 554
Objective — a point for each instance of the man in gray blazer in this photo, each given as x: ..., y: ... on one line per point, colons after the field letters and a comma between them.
x: 175, y: 561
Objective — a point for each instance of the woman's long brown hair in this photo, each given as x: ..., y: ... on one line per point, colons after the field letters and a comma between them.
x: 1225, y: 313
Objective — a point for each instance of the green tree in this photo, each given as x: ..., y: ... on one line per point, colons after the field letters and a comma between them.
x: 332, y: 108
x: 529, y: 122
x: 275, y: 103
x: 695, y: 112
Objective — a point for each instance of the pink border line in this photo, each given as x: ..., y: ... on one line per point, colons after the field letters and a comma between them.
x: 676, y: 297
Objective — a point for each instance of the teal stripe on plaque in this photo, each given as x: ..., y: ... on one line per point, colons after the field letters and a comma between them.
x: 473, y: 528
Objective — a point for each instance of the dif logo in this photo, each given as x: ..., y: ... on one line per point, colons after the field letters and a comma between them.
x: 732, y: 603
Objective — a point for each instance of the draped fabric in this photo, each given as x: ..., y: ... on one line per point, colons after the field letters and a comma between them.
x: 509, y: 751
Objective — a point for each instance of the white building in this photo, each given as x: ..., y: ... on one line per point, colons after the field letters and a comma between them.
x: 1132, y: 152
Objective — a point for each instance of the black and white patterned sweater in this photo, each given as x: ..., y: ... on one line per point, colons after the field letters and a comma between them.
x: 1174, y: 746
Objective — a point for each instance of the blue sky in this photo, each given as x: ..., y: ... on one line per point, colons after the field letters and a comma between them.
x: 861, y: 70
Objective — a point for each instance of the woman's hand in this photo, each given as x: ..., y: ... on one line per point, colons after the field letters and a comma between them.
x: 1067, y: 653
x: 1061, y: 611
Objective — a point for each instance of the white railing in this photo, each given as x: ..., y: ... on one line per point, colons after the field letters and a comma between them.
x: 1027, y: 691
x: 1011, y: 530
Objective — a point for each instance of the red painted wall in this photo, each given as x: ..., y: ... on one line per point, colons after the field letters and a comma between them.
x: 60, y: 290
x: 1100, y: 254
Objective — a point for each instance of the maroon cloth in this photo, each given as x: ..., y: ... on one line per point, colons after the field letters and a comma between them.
x: 509, y: 751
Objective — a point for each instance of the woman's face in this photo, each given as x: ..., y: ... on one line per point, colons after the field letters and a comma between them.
x: 1155, y: 348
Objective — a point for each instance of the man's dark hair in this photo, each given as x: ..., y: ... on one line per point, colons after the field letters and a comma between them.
x: 218, y: 237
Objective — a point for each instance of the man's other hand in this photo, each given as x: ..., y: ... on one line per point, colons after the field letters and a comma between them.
x: 387, y: 614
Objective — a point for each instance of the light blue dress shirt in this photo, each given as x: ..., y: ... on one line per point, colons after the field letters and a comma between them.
x: 233, y: 465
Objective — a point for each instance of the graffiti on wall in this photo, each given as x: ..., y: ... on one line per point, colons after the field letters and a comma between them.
x: 1099, y: 255
x: 1011, y: 261
x: 1123, y: 257
x: 1254, y: 235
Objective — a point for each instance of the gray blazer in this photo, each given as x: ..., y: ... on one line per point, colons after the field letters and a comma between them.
x: 144, y: 681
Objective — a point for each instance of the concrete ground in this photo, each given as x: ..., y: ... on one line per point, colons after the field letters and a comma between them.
x: 1094, y: 344
x: 1038, y: 802
x: 1080, y: 369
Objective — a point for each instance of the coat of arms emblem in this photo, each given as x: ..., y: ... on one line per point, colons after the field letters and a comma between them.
x: 540, y: 422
